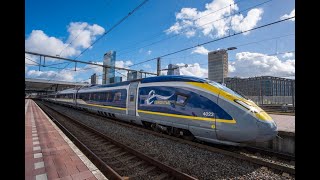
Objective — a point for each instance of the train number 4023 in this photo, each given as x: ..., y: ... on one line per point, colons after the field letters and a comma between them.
x: 210, y: 114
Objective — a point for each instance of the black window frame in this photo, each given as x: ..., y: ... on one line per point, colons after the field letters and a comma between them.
x: 185, y: 101
x: 115, y: 95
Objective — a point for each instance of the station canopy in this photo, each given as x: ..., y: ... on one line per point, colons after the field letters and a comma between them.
x: 42, y: 86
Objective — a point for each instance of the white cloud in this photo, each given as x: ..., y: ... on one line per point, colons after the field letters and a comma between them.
x: 40, y: 42
x: 193, y: 70
x: 292, y: 13
x: 287, y: 55
x: 30, y: 60
x: 123, y: 64
x: 239, y: 23
x: 187, y: 13
x: 215, y: 20
x: 82, y: 34
x: 149, y: 52
x: 200, y: 50
x: 147, y: 66
x: 249, y: 64
x: 95, y: 69
x: 63, y: 75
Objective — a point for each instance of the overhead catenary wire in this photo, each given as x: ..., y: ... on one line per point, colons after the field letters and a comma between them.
x: 239, y: 45
x: 120, y: 73
x: 170, y: 37
x: 234, y: 59
x: 114, y: 26
x: 32, y: 60
x: 182, y: 24
x: 73, y: 39
x: 218, y: 39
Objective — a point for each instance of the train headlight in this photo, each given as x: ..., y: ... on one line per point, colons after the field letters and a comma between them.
x: 247, y: 106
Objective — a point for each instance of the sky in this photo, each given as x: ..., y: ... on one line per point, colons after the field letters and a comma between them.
x: 69, y: 28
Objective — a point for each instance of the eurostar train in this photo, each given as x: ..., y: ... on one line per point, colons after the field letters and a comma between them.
x: 178, y: 105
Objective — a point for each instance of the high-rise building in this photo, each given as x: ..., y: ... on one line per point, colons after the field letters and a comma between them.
x: 94, y: 79
x: 173, y: 70
x: 134, y: 75
x: 218, y: 65
x: 116, y: 79
x: 109, y: 59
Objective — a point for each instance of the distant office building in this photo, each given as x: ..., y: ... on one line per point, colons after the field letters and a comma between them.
x: 262, y: 86
x: 134, y: 75
x: 109, y: 59
x: 116, y: 79
x: 173, y: 70
x: 94, y: 79
x: 217, y: 65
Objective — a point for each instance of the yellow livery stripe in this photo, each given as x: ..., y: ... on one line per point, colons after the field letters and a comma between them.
x: 214, y: 90
x: 189, y: 117
x: 111, y: 107
x: 263, y: 116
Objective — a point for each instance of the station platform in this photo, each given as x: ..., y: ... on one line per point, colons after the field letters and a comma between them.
x: 285, y: 123
x: 49, y: 154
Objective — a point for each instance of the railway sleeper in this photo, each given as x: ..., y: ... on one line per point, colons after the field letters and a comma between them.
x: 137, y: 164
x: 120, y: 154
x: 162, y: 176
x: 113, y: 150
x: 128, y: 158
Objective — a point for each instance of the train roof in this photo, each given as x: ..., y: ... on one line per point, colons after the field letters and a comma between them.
x: 154, y: 79
x: 169, y: 78
x: 172, y: 78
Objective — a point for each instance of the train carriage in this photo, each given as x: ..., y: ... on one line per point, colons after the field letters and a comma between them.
x: 180, y: 105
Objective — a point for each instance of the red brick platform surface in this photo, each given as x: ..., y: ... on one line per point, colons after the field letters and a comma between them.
x: 51, y: 155
x: 284, y: 122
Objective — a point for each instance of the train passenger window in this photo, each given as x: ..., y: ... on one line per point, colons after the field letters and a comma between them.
x: 181, y: 99
x: 117, y: 96
x: 104, y: 96
x: 109, y: 96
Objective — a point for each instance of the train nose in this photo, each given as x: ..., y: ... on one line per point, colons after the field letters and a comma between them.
x: 267, y: 130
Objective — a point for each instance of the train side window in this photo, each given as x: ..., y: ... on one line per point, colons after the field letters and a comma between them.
x: 109, y: 97
x: 181, y: 99
x: 117, y: 96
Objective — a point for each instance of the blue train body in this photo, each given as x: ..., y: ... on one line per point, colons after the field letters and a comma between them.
x: 179, y: 105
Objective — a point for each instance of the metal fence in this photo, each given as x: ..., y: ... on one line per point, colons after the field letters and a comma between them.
x: 278, y: 100
x: 265, y: 90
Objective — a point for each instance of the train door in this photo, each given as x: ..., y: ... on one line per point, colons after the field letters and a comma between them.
x: 132, y: 98
x: 74, y: 98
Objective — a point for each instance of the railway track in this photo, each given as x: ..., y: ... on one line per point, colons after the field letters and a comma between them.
x: 114, y: 159
x: 225, y: 150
